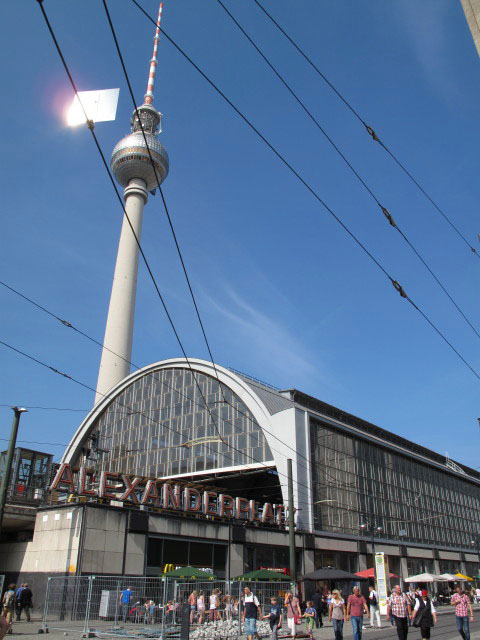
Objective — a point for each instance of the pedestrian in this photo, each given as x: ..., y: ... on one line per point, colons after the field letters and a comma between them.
x: 374, y: 608
x: 337, y: 613
x: 477, y: 591
x: 228, y: 602
x: 8, y: 605
x: 251, y: 610
x: 356, y: 605
x: 294, y: 613
x: 125, y: 600
x: 317, y: 600
x: 399, y: 608
x: 309, y: 616
x: 462, y: 607
x: 17, y: 596
x: 214, y: 605
x: 424, y: 614
x: 24, y: 602
x: 274, y: 618
x: 192, y: 601
x: 200, y: 606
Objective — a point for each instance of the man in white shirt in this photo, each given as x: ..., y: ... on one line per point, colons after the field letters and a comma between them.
x: 374, y: 607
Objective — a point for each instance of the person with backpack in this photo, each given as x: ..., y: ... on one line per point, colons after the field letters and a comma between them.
x: 374, y: 608
x: 424, y: 614
x: 8, y: 605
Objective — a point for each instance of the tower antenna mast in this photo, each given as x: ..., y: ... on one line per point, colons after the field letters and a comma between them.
x: 153, y: 61
x: 140, y: 164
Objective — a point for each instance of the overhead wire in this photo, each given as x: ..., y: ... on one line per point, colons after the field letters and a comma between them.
x: 362, y: 181
x: 330, y: 211
x: 163, y: 382
x: 167, y: 213
x: 90, y: 126
x: 368, y: 128
x: 162, y: 424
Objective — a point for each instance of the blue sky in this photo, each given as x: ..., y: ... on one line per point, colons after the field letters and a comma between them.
x: 285, y: 294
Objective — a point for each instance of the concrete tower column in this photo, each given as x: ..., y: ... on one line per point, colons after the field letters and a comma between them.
x: 117, y: 344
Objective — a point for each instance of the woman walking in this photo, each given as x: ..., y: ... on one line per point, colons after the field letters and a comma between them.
x: 192, y: 601
x: 8, y: 604
x: 294, y: 613
x: 337, y: 614
x: 424, y: 615
x: 214, y: 605
x: 200, y: 606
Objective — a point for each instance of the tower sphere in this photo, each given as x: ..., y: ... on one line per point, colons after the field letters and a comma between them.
x: 130, y: 157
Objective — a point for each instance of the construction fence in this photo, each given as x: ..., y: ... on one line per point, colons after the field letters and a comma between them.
x: 118, y: 606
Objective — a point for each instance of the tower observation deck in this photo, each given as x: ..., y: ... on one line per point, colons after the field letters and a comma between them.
x: 140, y: 164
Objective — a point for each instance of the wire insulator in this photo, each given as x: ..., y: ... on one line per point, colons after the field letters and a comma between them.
x: 388, y: 216
x: 399, y: 288
x: 371, y: 132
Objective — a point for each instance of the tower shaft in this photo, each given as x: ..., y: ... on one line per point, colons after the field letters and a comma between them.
x: 117, y: 343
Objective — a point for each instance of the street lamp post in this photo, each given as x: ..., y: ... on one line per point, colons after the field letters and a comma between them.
x: 17, y: 412
x: 476, y: 544
x: 373, y: 528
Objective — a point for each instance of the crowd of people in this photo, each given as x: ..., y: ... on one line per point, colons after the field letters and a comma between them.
x: 14, y: 602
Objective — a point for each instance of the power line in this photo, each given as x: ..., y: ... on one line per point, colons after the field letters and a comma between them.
x: 47, y: 409
x: 382, y: 208
x: 52, y: 444
x: 90, y: 126
x: 106, y: 395
x: 395, y: 284
x: 170, y: 223
x: 368, y: 128
x: 170, y: 387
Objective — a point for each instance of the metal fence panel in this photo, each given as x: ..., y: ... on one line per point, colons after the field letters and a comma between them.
x: 152, y: 607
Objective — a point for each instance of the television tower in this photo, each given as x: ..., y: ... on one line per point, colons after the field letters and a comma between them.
x: 133, y: 169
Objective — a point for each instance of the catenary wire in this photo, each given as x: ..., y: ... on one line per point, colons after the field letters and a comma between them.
x: 170, y: 387
x: 26, y: 406
x: 332, y: 479
x: 170, y: 223
x: 395, y: 284
x: 106, y: 395
x: 369, y: 129
x: 382, y: 208
x: 90, y: 126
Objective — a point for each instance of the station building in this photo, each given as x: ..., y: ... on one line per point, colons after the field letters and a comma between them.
x: 185, y: 463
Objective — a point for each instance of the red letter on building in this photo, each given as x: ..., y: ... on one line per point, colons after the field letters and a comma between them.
x: 227, y: 505
x: 188, y: 494
x: 130, y: 486
x: 83, y: 476
x: 254, y: 511
x: 267, y: 514
x: 105, y: 486
x: 279, y: 513
x: 209, y: 507
x: 242, y: 508
x: 172, y: 499
x: 151, y: 493
x: 64, y: 477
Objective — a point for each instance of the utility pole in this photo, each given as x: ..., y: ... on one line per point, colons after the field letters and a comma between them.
x: 17, y: 412
x: 291, y: 528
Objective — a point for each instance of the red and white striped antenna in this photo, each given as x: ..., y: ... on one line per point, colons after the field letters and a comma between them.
x: 153, y: 61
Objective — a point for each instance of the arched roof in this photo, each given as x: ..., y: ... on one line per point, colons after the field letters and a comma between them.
x: 248, y: 391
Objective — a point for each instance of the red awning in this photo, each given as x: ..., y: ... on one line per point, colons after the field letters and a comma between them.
x: 369, y: 573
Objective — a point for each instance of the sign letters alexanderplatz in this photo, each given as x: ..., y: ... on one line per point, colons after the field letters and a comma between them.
x: 164, y: 495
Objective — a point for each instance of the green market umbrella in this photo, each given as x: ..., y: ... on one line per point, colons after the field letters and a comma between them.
x: 189, y: 572
x: 262, y: 574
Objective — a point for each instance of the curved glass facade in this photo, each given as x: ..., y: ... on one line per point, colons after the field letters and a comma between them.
x: 145, y: 428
